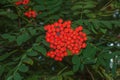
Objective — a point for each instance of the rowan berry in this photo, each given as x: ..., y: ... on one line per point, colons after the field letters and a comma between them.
x: 60, y: 20
x: 18, y: 3
x: 62, y: 37
x: 22, y: 2
x: 25, y: 2
x: 30, y: 14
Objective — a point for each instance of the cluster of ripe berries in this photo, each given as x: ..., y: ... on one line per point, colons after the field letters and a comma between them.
x: 30, y: 13
x: 22, y: 2
x: 63, y: 38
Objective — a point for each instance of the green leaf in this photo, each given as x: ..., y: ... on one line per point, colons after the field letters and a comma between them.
x: 33, y: 77
x: 2, y: 69
x: 81, y: 67
x: 89, y: 61
x: 59, y: 78
x: 12, y: 16
x: 89, y: 6
x: 86, y: 31
x: 68, y: 73
x: 39, y: 39
x: 103, y: 30
x: 45, y: 43
x: 17, y: 76
x: 76, y: 59
x: 107, y: 55
x: 10, y: 78
x: 106, y: 24
x: 6, y: 55
x: 32, y: 53
x: 76, y: 67
x: 91, y: 15
x: 23, y: 68
x: 12, y: 38
x: 77, y: 7
x: 86, y: 11
x: 76, y: 13
x: 28, y: 61
x: 5, y: 36
x: 39, y: 7
x: 32, y: 31
x: 9, y: 37
x: 90, y: 51
x: 22, y: 38
x: 40, y: 49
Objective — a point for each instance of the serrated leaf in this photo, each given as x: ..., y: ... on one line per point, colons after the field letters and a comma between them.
x: 12, y: 38
x: 89, y: 6
x: 103, y: 30
x: 9, y: 37
x: 68, y: 73
x: 40, y: 49
x: 89, y: 61
x: 86, y: 31
x: 39, y: 7
x: 81, y: 67
x: 33, y: 77
x: 106, y: 24
x: 77, y: 7
x: 39, y: 39
x: 32, y: 31
x: 17, y: 76
x: 76, y: 59
x: 76, y: 67
x: 93, y: 30
x: 45, y: 43
x: 10, y: 78
x: 22, y: 38
x: 91, y: 15
x: 23, y: 68
x: 6, y: 55
x: 5, y: 36
x: 2, y: 69
x: 32, y: 53
x: 90, y: 51
x: 86, y: 11
x: 28, y: 61
x: 76, y: 13
x: 59, y: 78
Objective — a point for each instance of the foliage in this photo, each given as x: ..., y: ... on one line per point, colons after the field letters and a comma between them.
x: 23, y: 47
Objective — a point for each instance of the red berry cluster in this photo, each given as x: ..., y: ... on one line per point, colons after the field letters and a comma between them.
x: 30, y: 13
x: 22, y: 2
x: 62, y: 38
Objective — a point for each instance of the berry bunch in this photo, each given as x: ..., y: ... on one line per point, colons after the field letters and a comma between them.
x: 62, y: 38
x: 22, y: 2
x: 30, y: 13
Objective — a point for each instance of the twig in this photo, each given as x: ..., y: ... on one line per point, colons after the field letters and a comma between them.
x: 61, y: 71
x: 90, y: 74
x: 106, y: 5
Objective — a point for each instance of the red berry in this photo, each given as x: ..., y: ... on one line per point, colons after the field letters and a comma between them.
x: 61, y: 37
x: 18, y: 3
x: 60, y: 20
x: 31, y: 14
x: 84, y: 45
x: 25, y: 2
